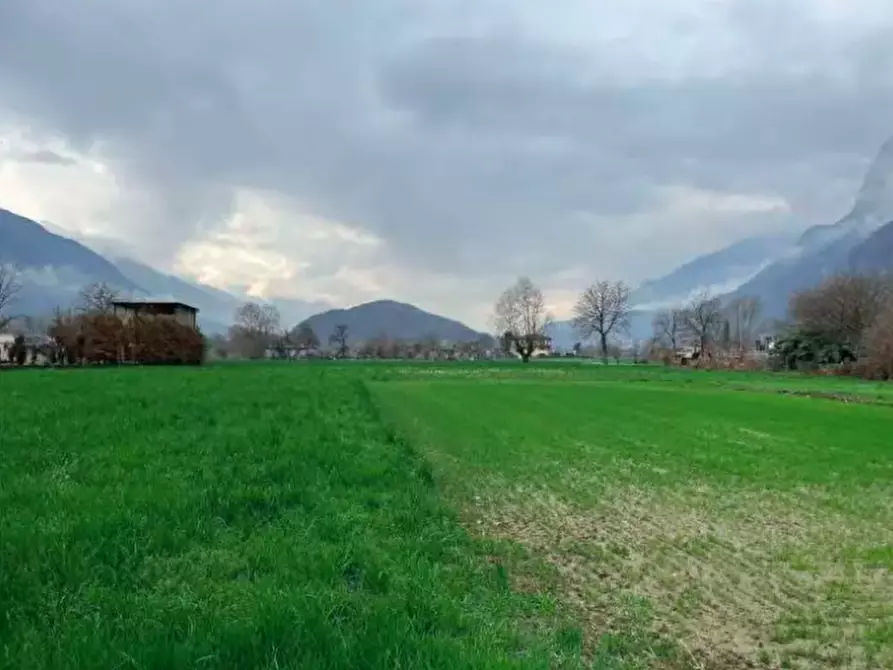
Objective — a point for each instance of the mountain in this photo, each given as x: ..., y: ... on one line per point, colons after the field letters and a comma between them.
x: 393, y: 319
x: 29, y: 245
x: 53, y: 268
x: 718, y: 272
x: 875, y: 253
x: 828, y: 249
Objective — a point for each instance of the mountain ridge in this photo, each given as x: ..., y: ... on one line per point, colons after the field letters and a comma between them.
x: 824, y: 250
x: 28, y: 244
x: 720, y: 271
x: 391, y: 318
x: 54, y: 268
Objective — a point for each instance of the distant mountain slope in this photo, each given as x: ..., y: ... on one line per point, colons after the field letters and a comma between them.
x: 27, y: 244
x: 824, y: 250
x: 875, y: 253
x: 718, y: 272
x: 394, y: 319
x: 52, y: 268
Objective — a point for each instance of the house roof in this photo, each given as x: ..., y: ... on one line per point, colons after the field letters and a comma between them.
x: 154, y: 303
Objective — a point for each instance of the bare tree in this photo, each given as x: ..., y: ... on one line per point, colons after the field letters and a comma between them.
x: 520, y: 315
x: 218, y: 346
x: 9, y: 289
x: 602, y: 309
x: 304, y: 337
x: 97, y: 298
x: 262, y: 319
x: 703, y: 318
x: 878, y: 341
x: 842, y: 308
x: 339, y: 339
x: 744, y: 316
x: 432, y: 346
x: 255, y: 329
x: 669, y: 326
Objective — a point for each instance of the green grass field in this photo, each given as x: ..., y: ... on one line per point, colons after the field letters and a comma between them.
x: 388, y: 515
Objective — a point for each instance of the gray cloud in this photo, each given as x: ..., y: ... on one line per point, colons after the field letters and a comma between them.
x: 44, y: 156
x: 475, y: 139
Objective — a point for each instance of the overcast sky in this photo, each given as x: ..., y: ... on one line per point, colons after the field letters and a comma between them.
x: 433, y: 150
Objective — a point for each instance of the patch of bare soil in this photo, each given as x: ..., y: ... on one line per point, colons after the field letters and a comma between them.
x: 749, y: 580
x: 846, y: 398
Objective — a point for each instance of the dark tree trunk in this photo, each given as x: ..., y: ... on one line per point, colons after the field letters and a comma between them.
x: 604, y: 338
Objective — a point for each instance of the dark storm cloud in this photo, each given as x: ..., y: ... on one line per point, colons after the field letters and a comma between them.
x: 469, y: 144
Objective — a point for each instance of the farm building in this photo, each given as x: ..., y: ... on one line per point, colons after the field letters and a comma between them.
x: 180, y: 312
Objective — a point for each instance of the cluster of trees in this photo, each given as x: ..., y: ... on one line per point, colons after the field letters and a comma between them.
x: 846, y: 319
x: 257, y: 332
x: 91, y: 333
x: 104, y: 338
x: 708, y: 328
x: 522, y: 318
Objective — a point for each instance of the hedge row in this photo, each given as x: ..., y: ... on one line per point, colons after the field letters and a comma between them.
x: 107, y: 339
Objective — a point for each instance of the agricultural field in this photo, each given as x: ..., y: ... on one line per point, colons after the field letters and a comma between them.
x: 385, y: 515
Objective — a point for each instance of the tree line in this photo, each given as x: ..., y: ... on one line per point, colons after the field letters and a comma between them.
x: 90, y: 333
x: 846, y: 322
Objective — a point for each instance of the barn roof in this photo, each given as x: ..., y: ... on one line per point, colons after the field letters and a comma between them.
x: 153, y: 303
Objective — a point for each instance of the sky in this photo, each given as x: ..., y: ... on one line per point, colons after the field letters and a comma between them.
x: 434, y: 150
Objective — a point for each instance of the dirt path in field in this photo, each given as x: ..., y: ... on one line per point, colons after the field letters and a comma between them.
x: 752, y: 582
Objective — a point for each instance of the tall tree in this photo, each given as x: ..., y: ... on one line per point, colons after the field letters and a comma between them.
x: 841, y: 308
x: 9, y: 289
x: 744, y: 316
x: 304, y: 337
x: 97, y: 298
x: 255, y: 329
x: 668, y: 326
x: 521, y: 316
x: 703, y: 319
x: 339, y: 339
x: 602, y: 309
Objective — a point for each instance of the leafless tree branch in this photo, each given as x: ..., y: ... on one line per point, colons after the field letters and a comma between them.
x: 668, y: 328
x: 97, y: 298
x: 9, y: 289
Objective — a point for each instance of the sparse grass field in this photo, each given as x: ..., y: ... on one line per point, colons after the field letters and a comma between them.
x: 443, y: 516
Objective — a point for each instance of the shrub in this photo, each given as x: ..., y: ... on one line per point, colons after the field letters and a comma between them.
x: 805, y: 350
x: 103, y: 338
x: 878, y: 360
